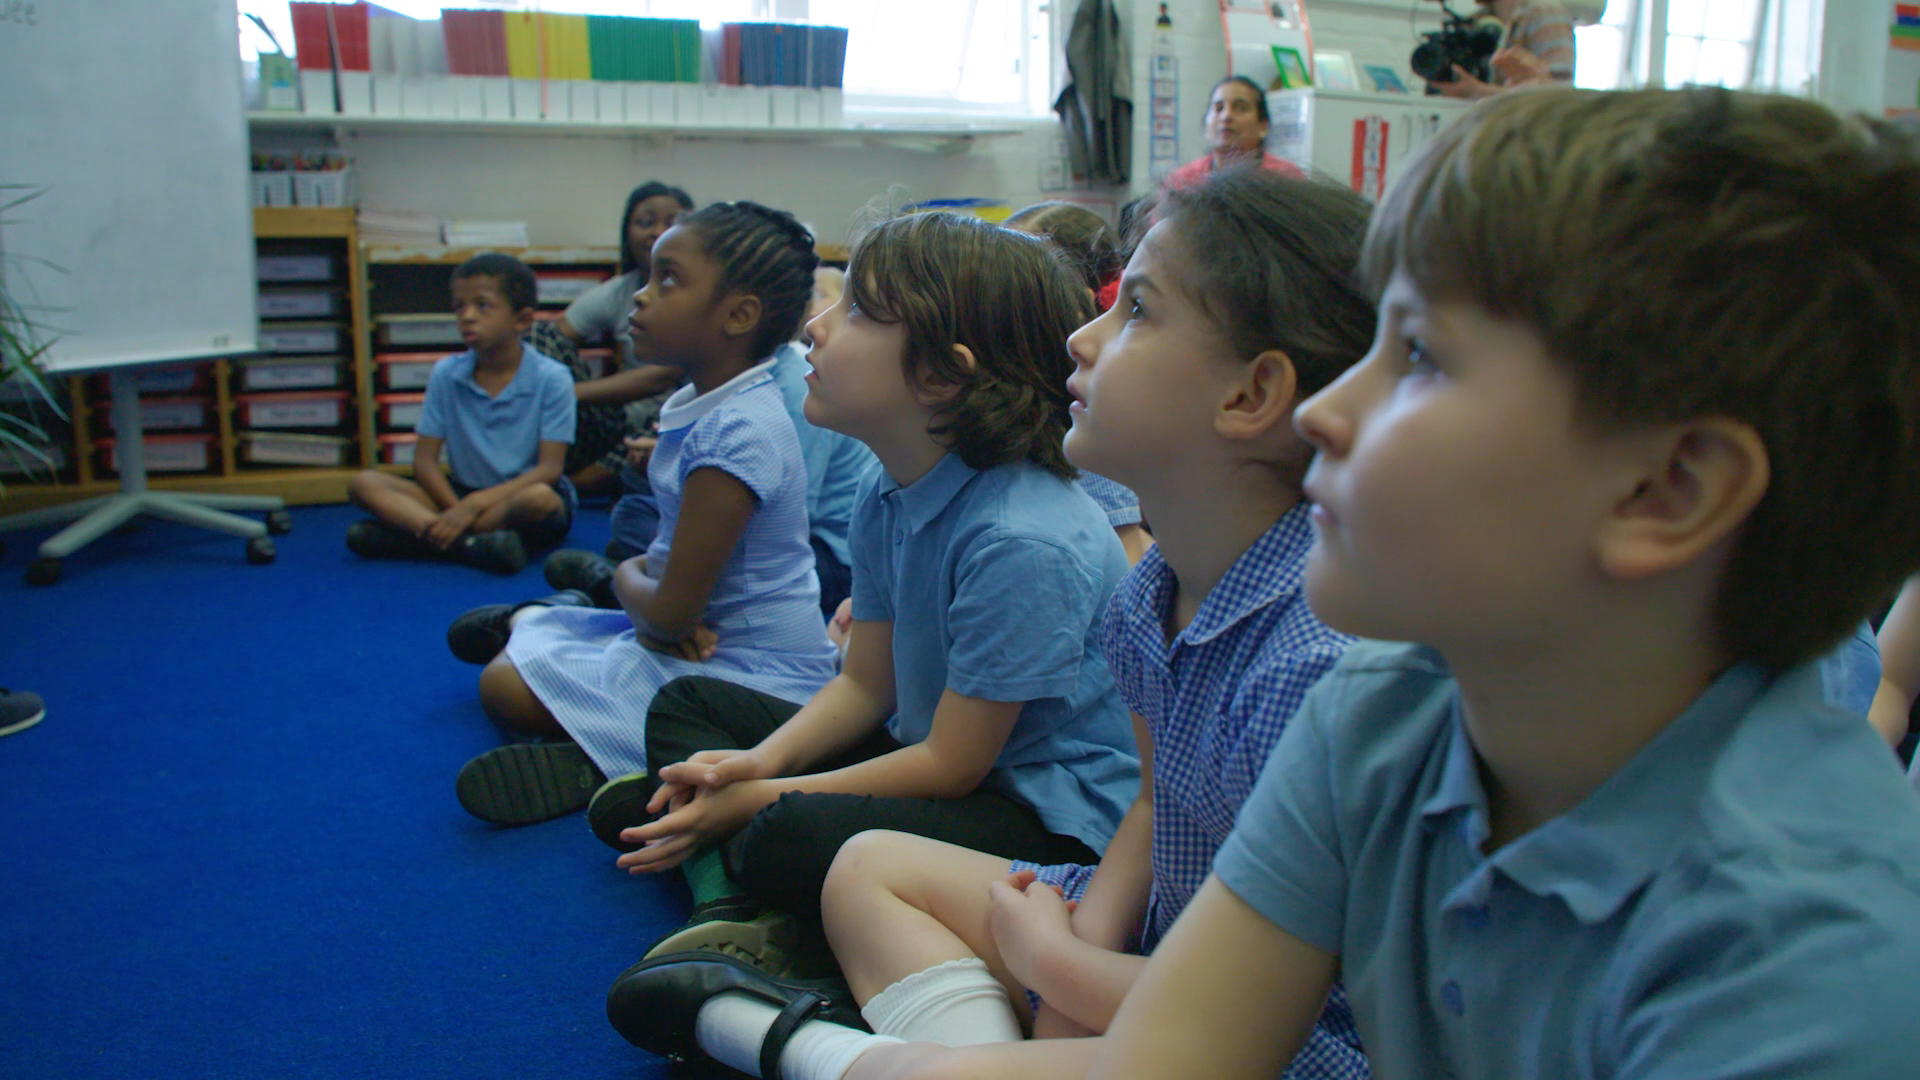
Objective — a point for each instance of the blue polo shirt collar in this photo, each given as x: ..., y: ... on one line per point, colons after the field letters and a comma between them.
x: 684, y: 407
x: 521, y: 383
x: 1597, y: 855
x: 924, y: 499
x: 1272, y: 570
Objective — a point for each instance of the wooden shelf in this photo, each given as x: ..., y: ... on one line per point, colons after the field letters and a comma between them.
x: 297, y: 486
x: 432, y: 254
x: 949, y: 138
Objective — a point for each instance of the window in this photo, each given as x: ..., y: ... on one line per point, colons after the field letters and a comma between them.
x: 1710, y: 42
x: 972, y: 56
x: 1771, y: 44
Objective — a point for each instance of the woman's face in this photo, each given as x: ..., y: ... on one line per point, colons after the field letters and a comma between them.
x: 651, y: 218
x: 1233, y: 119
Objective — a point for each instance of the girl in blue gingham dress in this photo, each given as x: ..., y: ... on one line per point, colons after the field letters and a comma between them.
x: 1209, y: 638
x: 727, y: 587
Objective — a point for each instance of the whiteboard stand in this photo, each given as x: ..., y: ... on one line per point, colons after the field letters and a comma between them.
x: 94, y: 518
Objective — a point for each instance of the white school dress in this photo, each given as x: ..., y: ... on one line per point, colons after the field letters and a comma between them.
x: 585, y: 664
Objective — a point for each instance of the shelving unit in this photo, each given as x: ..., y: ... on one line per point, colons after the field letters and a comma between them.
x: 384, y: 280
x: 940, y: 138
x: 330, y: 229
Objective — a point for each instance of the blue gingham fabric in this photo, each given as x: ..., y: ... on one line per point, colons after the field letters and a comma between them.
x: 1122, y: 506
x: 1215, y: 700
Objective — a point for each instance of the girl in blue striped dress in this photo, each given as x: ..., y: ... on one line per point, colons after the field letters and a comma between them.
x: 727, y: 588
x: 1238, y: 304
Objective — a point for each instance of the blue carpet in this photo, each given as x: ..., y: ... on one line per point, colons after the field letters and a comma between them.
x: 232, y: 848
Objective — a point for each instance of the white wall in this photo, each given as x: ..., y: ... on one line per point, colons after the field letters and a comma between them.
x: 569, y: 189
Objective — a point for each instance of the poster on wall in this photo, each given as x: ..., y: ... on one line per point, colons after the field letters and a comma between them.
x: 1290, y: 129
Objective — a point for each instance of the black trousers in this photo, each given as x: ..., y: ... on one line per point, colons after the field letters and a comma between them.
x: 781, y: 857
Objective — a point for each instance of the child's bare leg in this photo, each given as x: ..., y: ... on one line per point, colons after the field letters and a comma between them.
x: 395, y: 500
x: 895, y: 904
x: 512, y: 705
x: 1056, y: 1059
x: 527, y: 506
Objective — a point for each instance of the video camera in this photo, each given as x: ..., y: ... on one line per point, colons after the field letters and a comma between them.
x: 1467, y: 40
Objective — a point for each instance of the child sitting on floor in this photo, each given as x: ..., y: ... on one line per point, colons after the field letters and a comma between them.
x: 973, y: 705
x: 1240, y: 302
x: 1636, y: 442
x: 505, y: 416
x: 728, y: 585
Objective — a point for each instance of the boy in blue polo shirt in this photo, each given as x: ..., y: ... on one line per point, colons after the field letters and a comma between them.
x: 505, y: 416
x: 1638, y: 438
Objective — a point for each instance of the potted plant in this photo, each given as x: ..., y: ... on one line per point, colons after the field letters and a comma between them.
x: 23, y: 340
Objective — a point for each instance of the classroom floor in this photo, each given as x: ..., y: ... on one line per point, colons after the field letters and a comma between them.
x: 232, y: 848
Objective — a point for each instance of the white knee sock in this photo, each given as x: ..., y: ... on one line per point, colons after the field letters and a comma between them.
x: 958, y: 1003
x: 731, y: 1027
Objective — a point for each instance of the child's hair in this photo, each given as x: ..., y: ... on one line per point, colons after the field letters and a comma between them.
x: 1086, y: 239
x: 1686, y: 254
x: 1010, y: 298
x: 1273, y: 262
x: 515, y: 280
x: 648, y: 190
x: 1259, y: 95
x: 762, y: 252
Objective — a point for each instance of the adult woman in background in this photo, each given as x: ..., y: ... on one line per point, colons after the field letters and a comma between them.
x: 623, y: 404
x: 1237, y: 121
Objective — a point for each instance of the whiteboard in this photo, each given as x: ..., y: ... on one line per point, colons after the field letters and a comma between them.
x: 127, y: 115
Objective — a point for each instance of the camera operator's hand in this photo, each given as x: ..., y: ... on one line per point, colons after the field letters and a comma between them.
x: 1464, y: 85
x: 1517, y: 67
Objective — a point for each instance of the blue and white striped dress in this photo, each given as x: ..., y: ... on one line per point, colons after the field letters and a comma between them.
x: 585, y: 665
x: 1215, y: 701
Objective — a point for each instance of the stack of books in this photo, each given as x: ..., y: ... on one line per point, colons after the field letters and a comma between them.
x: 397, y: 229
x: 464, y: 232
x: 782, y: 54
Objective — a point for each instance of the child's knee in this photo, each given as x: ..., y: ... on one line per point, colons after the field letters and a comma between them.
x: 536, y: 501
x: 862, y: 864
x: 364, y: 484
x: 504, y: 694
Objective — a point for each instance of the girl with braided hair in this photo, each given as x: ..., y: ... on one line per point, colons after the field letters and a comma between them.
x: 973, y: 705
x: 727, y: 586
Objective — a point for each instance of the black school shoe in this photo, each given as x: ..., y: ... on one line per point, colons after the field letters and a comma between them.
x: 478, y: 635
x: 500, y: 551
x: 621, y: 803
x: 584, y: 571
x: 525, y: 783
x: 654, y: 1004
x: 375, y: 539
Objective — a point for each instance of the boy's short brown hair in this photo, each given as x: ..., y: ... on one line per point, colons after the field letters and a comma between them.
x: 1010, y: 298
x: 1707, y: 253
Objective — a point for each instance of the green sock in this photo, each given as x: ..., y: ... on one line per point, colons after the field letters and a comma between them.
x: 707, y: 876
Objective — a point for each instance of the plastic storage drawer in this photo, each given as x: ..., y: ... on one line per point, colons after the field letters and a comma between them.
x: 320, y: 409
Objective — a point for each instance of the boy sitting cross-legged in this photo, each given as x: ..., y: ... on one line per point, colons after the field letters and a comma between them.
x: 505, y: 415
x: 1639, y: 436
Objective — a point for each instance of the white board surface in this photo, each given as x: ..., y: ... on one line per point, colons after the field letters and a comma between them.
x: 127, y: 117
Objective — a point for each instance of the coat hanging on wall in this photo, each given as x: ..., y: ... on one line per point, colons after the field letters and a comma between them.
x: 1096, y: 108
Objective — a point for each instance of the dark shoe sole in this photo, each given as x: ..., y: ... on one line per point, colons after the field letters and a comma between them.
x: 621, y: 803
x: 527, y: 783
x: 772, y: 942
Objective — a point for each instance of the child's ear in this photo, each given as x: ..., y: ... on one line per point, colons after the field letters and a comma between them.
x: 523, y: 320
x: 743, y: 315
x: 1260, y: 399
x: 1696, y: 485
x: 934, y: 390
